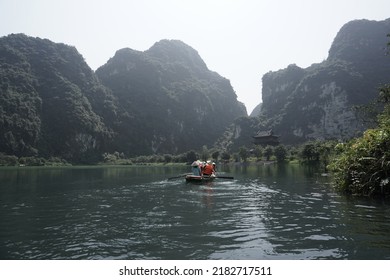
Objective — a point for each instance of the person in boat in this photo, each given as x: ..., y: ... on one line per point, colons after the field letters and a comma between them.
x: 196, y: 168
x: 208, y: 169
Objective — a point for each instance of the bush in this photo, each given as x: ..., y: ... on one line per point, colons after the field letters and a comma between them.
x: 363, y: 166
x: 32, y: 161
x: 225, y: 156
x: 258, y: 152
x: 6, y: 160
x: 311, y: 151
x: 268, y: 152
x: 280, y: 153
x: 243, y: 154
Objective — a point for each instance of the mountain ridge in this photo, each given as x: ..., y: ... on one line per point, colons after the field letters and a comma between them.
x: 166, y: 100
x: 317, y: 102
x: 52, y: 104
x: 184, y: 94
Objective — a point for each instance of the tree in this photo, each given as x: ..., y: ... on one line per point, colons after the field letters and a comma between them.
x: 326, y: 150
x: 243, y: 153
x: 191, y: 156
x: 258, y: 151
x: 167, y: 158
x: 215, y: 156
x: 363, y: 165
x: 225, y: 156
x: 205, y: 153
x: 6, y: 160
x: 268, y: 152
x: 280, y: 153
x: 310, y: 152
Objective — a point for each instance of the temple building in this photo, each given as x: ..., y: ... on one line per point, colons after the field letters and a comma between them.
x: 265, y: 138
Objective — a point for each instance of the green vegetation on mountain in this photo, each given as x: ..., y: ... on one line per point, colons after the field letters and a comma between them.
x: 52, y: 105
x: 324, y: 102
x: 170, y: 101
x: 362, y: 166
x: 318, y: 102
x: 51, y: 102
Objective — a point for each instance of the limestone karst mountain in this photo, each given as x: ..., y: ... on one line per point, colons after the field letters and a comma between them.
x: 163, y: 100
x: 319, y: 102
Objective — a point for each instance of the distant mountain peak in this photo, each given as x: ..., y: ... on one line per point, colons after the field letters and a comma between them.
x: 169, y: 96
x: 176, y: 51
x: 360, y: 37
x: 318, y: 102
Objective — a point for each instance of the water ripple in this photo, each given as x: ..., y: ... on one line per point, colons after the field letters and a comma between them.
x: 247, y: 218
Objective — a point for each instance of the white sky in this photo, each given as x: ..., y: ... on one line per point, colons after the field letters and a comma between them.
x: 240, y: 39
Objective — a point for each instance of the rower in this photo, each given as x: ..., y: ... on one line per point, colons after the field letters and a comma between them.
x: 195, y: 166
x: 208, y: 169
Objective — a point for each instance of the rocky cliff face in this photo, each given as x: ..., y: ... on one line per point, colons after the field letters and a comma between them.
x: 318, y: 102
x: 51, y: 103
x: 163, y: 100
x: 171, y: 101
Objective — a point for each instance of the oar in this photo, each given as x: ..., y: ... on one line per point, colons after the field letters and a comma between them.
x: 224, y: 177
x: 179, y: 176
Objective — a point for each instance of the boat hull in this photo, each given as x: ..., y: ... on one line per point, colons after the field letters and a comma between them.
x: 199, y: 179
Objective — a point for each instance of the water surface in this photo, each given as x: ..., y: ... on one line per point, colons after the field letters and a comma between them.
x: 266, y: 212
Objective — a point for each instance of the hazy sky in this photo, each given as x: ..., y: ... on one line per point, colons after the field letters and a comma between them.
x: 240, y: 39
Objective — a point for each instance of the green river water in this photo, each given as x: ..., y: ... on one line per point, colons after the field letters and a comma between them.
x: 116, y: 212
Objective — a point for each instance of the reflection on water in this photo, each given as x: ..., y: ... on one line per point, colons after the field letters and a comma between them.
x: 266, y: 212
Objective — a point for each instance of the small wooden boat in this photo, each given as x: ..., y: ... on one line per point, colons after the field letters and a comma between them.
x: 200, y: 179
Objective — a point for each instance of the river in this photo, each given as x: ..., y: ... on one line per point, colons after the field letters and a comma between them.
x: 125, y: 212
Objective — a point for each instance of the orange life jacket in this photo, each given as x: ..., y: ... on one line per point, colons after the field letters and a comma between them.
x: 208, y: 169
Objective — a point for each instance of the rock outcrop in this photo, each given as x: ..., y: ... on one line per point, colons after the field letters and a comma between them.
x: 319, y: 102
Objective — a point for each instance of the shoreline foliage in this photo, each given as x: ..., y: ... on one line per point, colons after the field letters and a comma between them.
x: 362, y: 166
